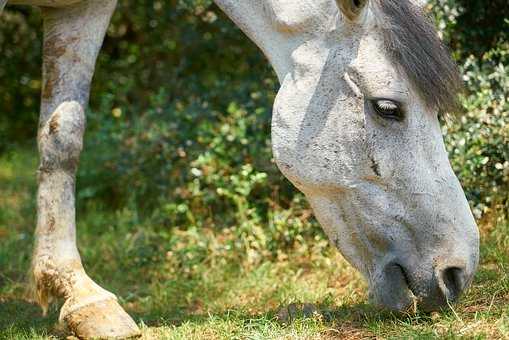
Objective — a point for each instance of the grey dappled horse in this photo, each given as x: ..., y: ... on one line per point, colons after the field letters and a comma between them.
x: 355, y: 128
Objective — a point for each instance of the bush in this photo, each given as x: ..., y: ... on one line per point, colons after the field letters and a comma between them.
x: 207, y: 170
x: 20, y: 83
x: 479, y: 141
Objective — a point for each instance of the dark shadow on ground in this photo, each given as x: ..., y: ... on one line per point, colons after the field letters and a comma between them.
x: 21, y: 316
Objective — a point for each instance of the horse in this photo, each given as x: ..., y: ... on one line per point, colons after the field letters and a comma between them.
x: 355, y: 127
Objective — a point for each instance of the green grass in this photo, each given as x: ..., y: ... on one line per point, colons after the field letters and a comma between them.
x: 188, y: 284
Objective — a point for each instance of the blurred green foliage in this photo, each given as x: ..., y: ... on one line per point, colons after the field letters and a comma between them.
x: 20, y: 75
x: 478, y: 139
x: 179, y: 130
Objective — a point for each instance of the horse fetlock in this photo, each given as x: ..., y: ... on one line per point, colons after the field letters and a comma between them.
x: 61, y: 137
x: 91, y: 312
x: 51, y: 281
x: 67, y: 281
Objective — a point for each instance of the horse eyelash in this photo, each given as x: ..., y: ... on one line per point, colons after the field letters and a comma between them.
x: 387, y: 105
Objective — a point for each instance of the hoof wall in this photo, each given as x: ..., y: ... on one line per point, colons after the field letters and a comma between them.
x: 102, y: 320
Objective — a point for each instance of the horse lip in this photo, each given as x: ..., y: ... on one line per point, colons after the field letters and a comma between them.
x: 393, y: 291
x: 422, y: 297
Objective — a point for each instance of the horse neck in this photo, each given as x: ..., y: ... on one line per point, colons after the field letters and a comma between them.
x: 279, y: 28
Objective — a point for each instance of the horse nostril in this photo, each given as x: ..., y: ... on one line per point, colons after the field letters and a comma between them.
x: 452, y: 282
x: 404, y: 273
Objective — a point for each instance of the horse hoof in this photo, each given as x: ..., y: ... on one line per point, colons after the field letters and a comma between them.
x: 101, y: 320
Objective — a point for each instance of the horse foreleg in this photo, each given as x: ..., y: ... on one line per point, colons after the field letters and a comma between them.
x: 72, y: 40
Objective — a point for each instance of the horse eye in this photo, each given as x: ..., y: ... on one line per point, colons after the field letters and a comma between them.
x: 388, y: 109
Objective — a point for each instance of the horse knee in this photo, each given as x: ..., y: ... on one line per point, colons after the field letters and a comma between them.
x: 61, y: 137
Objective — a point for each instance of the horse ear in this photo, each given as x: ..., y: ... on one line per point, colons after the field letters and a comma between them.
x: 351, y: 9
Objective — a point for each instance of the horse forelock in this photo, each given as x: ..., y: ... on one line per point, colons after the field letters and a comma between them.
x: 414, y: 47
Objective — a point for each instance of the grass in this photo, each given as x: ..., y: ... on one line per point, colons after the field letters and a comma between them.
x: 197, y: 288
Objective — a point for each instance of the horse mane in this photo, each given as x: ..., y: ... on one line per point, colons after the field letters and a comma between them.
x: 415, y: 48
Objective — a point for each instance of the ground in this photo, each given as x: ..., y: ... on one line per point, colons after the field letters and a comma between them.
x: 294, y: 296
